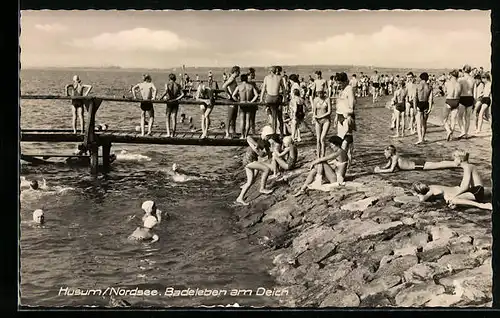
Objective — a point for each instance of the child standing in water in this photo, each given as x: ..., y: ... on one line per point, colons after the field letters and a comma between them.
x: 78, y: 89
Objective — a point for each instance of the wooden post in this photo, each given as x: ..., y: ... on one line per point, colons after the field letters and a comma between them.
x: 90, y: 138
x: 106, y: 150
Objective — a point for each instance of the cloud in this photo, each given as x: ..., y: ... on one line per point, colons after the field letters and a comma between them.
x: 52, y: 27
x: 138, y: 39
x: 402, y: 47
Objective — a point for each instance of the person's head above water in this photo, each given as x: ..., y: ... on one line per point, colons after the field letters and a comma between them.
x: 174, y: 168
x: 420, y: 188
x: 389, y: 151
x: 266, y: 132
x: 335, y: 142
x: 150, y: 222
x: 149, y: 207
x: 34, y: 185
x: 460, y: 156
x: 38, y: 216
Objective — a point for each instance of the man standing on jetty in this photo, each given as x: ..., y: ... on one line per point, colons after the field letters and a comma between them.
x: 78, y: 89
x: 173, y: 94
x: 229, y: 86
x: 148, y: 93
x: 253, y: 109
x: 272, y: 86
x: 466, y: 101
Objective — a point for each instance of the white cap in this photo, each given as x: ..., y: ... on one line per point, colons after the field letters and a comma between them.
x: 150, y: 222
x: 147, y: 206
x: 37, y: 213
x: 267, y: 130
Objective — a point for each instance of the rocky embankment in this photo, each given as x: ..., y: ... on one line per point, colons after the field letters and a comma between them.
x: 357, y: 247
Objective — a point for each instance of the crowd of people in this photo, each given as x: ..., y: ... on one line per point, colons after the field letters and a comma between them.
x: 287, y: 99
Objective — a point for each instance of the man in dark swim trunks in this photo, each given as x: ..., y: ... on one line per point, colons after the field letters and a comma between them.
x: 148, y: 92
x: 173, y: 94
x: 78, y: 89
x: 272, y: 87
x: 246, y: 93
x: 422, y: 102
x: 453, y: 90
x: 466, y: 101
x: 232, y: 111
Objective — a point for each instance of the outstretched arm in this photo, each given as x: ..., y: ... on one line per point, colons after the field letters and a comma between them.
x: 133, y: 90
x: 88, y: 87
x: 325, y: 158
x: 388, y: 168
x: 466, y: 179
x: 235, y: 93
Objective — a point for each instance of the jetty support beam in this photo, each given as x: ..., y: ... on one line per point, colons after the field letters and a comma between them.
x: 106, y: 151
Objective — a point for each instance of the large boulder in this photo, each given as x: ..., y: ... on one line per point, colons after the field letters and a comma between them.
x: 379, y: 285
x: 418, y: 295
x: 360, y: 205
x: 341, y: 298
x: 396, y: 266
x: 280, y: 212
x: 458, y: 262
x: 312, y: 237
x: 317, y: 253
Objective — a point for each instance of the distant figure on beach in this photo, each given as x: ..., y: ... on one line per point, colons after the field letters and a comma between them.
x: 150, y: 209
x: 148, y: 92
x: 422, y: 102
x: 78, y: 89
x: 452, y: 89
x: 232, y: 111
x: 272, y: 87
x: 485, y: 102
x: 466, y: 104
x: 205, y: 95
x: 144, y: 233
x: 399, y: 102
x: 245, y: 93
x: 398, y: 162
x: 257, y: 159
x: 173, y: 94
x: 253, y: 110
x: 410, y: 107
x: 39, y: 217
x: 333, y: 166
x: 287, y: 158
x: 375, y: 80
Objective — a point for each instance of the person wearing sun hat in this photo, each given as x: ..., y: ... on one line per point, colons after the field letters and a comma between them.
x: 257, y: 158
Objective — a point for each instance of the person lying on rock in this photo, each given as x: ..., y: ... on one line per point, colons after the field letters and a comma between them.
x: 396, y: 161
x: 334, y: 166
x: 257, y: 158
x: 474, y: 197
x: 287, y: 158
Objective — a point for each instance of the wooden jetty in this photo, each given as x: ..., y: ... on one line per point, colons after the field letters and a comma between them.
x: 93, y: 139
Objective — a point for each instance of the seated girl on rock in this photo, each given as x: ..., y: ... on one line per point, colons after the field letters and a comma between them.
x: 287, y: 158
x: 396, y: 161
x: 334, y: 166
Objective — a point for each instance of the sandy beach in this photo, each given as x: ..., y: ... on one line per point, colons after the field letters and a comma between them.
x: 357, y: 247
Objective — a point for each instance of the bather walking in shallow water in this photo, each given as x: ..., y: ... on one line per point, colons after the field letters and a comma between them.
x: 397, y: 162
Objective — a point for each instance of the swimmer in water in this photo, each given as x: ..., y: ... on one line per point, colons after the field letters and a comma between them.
x: 144, y: 233
x: 150, y: 209
x: 39, y: 216
x: 398, y: 162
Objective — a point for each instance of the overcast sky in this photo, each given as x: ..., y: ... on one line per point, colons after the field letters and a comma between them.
x: 164, y: 39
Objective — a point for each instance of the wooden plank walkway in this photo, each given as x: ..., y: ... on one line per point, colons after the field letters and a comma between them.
x: 133, y: 137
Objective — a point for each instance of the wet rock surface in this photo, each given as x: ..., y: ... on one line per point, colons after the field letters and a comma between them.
x: 359, y: 248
